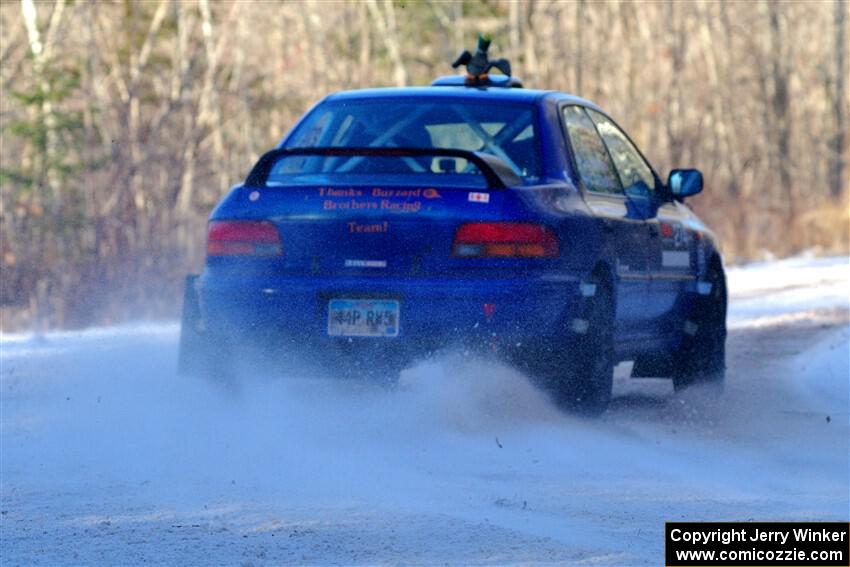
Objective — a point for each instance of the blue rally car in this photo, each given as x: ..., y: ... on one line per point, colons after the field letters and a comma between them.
x: 392, y: 223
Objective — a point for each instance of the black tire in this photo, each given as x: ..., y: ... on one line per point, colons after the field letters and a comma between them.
x: 200, y: 354
x: 192, y: 339
x: 701, y: 356
x: 577, y: 367
x: 589, y: 371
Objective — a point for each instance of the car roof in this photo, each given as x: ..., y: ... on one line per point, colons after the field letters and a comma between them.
x: 492, y: 94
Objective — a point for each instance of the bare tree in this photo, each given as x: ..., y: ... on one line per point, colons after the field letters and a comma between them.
x: 123, y: 122
x: 839, y: 102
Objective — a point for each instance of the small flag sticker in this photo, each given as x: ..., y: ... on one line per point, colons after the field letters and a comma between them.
x: 479, y: 197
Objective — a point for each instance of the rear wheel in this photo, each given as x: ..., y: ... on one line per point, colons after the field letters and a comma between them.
x: 701, y: 357
x: 192, y: 339
x: 578, y: 368
x: 589, y: 370
x: 200, y: 354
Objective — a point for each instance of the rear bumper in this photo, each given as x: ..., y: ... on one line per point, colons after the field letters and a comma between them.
x: 433, y: 313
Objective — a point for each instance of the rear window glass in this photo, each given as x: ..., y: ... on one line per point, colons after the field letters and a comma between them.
x: 504, y: 130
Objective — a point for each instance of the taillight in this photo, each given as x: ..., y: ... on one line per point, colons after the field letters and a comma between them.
x: 505, y: 240
x: 243, y: 238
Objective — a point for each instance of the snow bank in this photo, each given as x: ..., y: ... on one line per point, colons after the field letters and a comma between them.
x: 763, y: 293
x: 109, y: 457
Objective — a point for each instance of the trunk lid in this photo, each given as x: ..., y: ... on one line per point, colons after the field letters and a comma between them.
x: 367, y: 230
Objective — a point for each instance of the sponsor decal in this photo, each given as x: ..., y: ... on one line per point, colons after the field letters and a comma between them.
x: 381, y: 205
x: 376, y: 199
x: 675, y: 259
x: 331, y: 192
x: 397, y: 193
x: 479, y: 197
x: 253, y: 196
x: 352, y: 263
x: 674, y: 233
x: 400, y: 206
x: 351, y: 205
x: 355, y: 227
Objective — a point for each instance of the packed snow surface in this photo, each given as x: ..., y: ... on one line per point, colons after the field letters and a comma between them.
x: 108, y: 457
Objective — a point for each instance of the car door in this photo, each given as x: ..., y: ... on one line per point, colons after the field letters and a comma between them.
x: 622, y: 226
x: 673, y: 261
x: 669, y: 244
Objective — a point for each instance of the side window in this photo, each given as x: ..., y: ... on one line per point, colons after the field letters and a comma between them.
x: 592, y: 159
x: 635, y: 174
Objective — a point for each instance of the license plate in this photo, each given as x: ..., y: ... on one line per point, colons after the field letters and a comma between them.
x: 363, y: 318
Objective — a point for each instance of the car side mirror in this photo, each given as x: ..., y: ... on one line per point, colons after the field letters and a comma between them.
x: 684, y: 182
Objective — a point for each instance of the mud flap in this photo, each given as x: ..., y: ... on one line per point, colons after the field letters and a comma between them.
x: 191, y: 357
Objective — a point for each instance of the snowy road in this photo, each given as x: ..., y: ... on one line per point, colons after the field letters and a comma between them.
x: 109, y: 458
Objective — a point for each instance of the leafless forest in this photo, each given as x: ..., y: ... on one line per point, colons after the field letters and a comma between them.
x: 123, y: 122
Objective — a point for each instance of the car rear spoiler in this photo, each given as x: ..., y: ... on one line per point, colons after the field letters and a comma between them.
x: 498, y: 174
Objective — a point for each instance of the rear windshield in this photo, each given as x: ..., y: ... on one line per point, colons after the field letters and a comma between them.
x: 504, y: 130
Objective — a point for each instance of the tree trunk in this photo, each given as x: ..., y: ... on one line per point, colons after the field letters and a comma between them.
x: 780, y: 101
x: 388, y: 29
x: 839, y: 105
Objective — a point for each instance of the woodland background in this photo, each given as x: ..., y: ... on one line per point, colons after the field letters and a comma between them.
x: 122, y: 123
